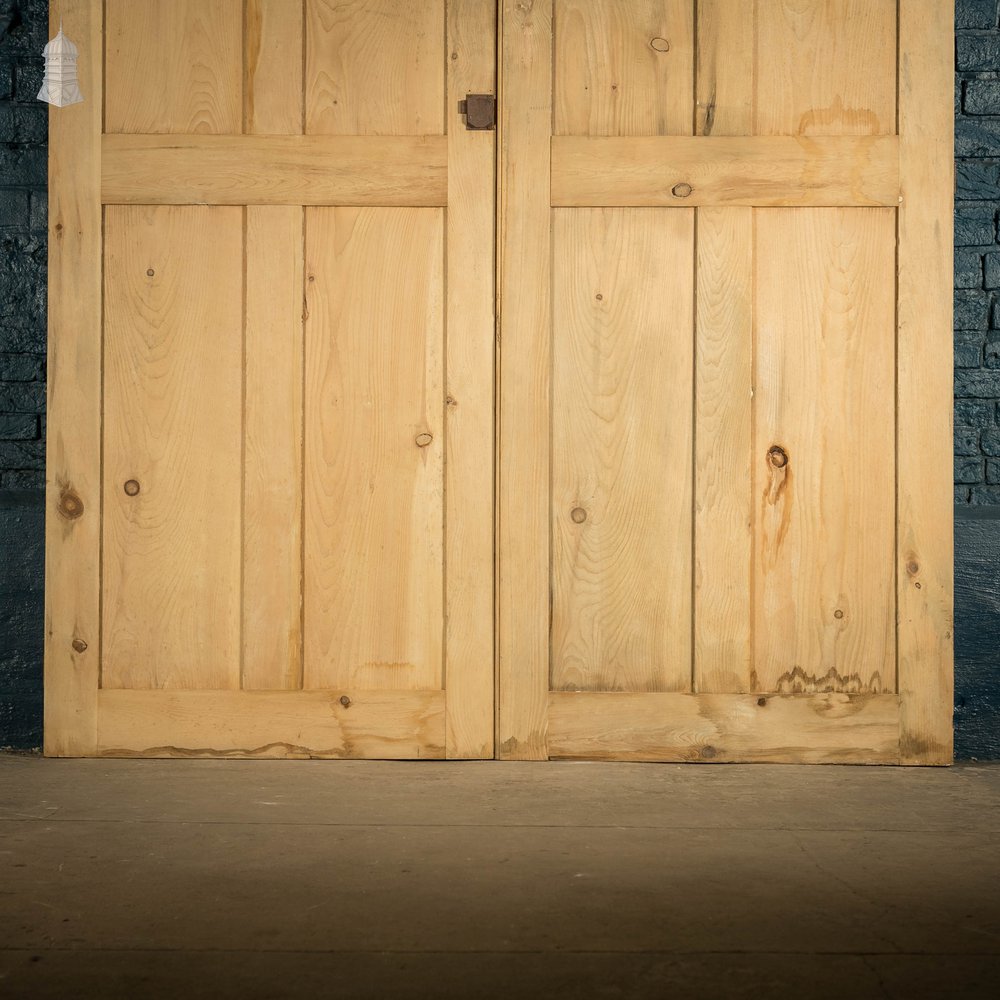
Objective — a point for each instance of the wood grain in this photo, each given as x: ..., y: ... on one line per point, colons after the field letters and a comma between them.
x: 725, y: 728
x: 73, y: 439
x: 621, y: 450
x: 273, y: 67
x: 174, y: 67
x: 924, y: 546
x: 272, y: 464
x: 623, y: 68
x: 374, y: 448
x: 470, y: 404
x: 825, y: 67
x: 172, y: 425
x: 274, y: 170
x: 825, y: 312
x: 724, y: 76
x: 375, y: 67
x: 725, y: 170
x: 292, y: 724
x: 523, y: 502
x: 723, y: 440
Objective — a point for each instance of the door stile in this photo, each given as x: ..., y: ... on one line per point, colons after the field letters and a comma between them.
x: 75, y: 361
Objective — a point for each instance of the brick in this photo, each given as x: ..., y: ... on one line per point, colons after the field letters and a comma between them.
x: 991, y: 442
x: 14, y: 211
x: 986, y: 495
x: 966, y: 441
x: 22, y: 397
x: 39, y: 212
x: 18, y: 427
x: 977, y: 136
x: 962, y: 493
x: 28, y: 125
x: 968, y: 471
x: 969, y: 348
x: 22, y: 282
x: 23, y: 166
x: 980, y: 14
x: 22, y: 455
x: 20, y: 337
x: 975, y: 225
x: 991, y: 351
x: 975, y: 412
x: 28, y: 80
x: 993, y: 471
x: 977, y: 180
x: 977, y: 384
x: 969, y: 269
x: 23, y: 479
x: 6, y: 81
x: 22, y: 368
x: 991, y: 269
x: 982, y: 97
x: 972, y: 309
x: 977, y: 52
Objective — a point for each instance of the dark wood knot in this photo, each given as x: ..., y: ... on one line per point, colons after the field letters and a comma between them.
x: 762, y: 701
x: 423, y: 440
x: 79, y: 645
x: 345, y: 701
x: 578, y: 514
x: 708, y: 752
x: 132, y: 487
x: 70, y: 505
x: 681, y: 190
x: 659, y: 44
x: 777, y: 456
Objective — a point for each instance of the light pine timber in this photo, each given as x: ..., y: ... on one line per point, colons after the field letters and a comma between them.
x: 375, y: 67
x: 623, y: 68
x: 173, y: 359
x: 924, y: 547
x: 525, y: 380
x: 174, y: 66
x: 374, y: 452
x: 271, y: 622
x: 469, y: 403
x: 725, y: 728
x: 298, y: 724
x: 825, y: 67
x: 725, y: 170
x: 723, y: 369
x: 824, y: 523
x: 275, y: 170
x: 73, y: 441
x: 621, y: 464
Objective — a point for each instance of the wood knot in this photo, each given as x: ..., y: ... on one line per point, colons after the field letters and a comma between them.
x: 345, y: 701
x: 132, y: 487
x: 659, y: 44
x: 150, y: 272
x: 777, y: 457
x: 423, y: 440
x: 70, y: 505
x: 578, y: 514
x: 681, y: 190
x: 913, y: 567
x: 707, y: 752
x: 79, y: 645
x: 838, y: 614
x: 762, y: 701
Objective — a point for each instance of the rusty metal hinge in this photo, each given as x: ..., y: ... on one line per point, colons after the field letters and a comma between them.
x: 480, y: 112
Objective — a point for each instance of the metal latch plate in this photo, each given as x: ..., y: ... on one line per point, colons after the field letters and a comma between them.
x: 480, y: 112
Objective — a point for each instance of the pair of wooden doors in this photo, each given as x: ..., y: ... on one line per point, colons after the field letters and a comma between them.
x: 619, y: 432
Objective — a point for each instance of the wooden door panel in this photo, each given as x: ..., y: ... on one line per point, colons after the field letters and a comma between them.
x: 172, y: 431
x: 289, y: 211
x: 621, y: 434
x: 782, y: 147
x: 374, y: 456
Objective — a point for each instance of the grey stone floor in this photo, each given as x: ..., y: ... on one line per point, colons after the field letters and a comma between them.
x: 250, y: 879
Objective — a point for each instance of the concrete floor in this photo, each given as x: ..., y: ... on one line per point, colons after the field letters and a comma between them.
x: 220, y: 879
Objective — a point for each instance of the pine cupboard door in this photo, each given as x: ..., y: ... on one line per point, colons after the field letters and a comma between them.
x: 724, y: 507
x: 271, y: 429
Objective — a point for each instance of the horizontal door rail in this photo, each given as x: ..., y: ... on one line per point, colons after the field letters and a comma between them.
x: 765, y: 171
x: 274, y: 170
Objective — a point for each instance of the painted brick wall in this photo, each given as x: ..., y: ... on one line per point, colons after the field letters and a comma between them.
x: 23, y: 166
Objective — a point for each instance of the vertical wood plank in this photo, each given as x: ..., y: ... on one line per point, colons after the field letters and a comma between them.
x: 725, y: 68
x: 824, y: 451
x: 273, y: 67
x: 374, y: 453
x: 723, y: 440
x: 825, y: 67
x: 924, y: 548
x: 73, y: 440
x: 272, y: 474
x: 525, y: 376
x: 723, y: 369
x: 272, y: 468
x: 172, y: 446
x: 623, y: 68
x: 621, y: 482
x: 375, y: 67
x: 174, y: 67
x: 469, y: 423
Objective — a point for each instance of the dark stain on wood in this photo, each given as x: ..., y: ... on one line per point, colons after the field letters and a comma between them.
x: 70, y: 505
x: 797, y: 681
